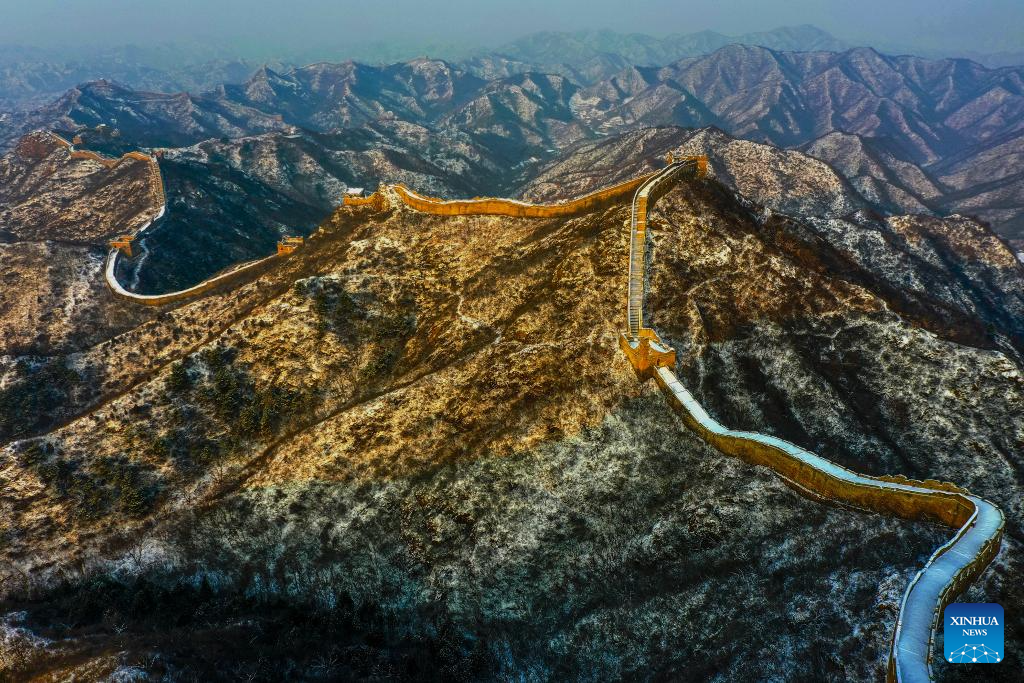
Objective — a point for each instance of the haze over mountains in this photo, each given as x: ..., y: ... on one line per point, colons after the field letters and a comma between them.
x: 31, y: 76
x: 910, y: 134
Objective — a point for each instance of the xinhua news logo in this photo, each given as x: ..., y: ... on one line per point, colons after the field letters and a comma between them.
x: 973, y: 633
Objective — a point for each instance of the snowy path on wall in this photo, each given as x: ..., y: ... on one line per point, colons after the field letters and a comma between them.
x: 950, y: 568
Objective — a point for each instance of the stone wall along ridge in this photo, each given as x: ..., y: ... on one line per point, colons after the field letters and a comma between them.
x: 952, y: 567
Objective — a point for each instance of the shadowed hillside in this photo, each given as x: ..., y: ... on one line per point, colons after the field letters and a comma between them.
x: 415, y: 449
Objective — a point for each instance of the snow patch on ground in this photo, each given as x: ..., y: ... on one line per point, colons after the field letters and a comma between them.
x: 80, y: 289
x: 19, y: 645
x: 127, y: 674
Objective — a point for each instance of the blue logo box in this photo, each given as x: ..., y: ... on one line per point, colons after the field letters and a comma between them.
x: 973, y: 633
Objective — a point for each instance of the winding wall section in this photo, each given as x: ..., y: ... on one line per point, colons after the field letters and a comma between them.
x: 160, y: 200
x: 379, y: 201
x: 225, y: 278
x: 978, y: 523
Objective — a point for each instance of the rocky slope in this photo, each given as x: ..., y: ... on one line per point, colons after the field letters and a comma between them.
x: 415, y: 449
x: 929, y: 108
x: 781, y: 180
x: 47, y: 195
x: 890, y: 182
x: 521, y: 117
x: 989, y: 183
x: 911, y: 134
x: 56, y: 214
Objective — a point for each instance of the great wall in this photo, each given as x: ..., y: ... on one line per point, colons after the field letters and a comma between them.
x: 950, y: 569
x: 379, y: 200
x: 124, y: 244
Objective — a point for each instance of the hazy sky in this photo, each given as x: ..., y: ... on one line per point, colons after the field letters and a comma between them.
x: 281, y: 27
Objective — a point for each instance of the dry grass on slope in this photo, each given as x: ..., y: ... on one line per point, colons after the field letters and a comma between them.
x: 629, y: 550
x: 47, y: 195
x: 400, y: 341
x: 415, y: 447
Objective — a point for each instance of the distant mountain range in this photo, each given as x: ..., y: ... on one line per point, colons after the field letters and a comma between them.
x: 914, y: 134
x: 638, y: 48
x: 29, y: 76
x: 32, y: 77
x: 942, y: 134
x: 583, y: 50
x: 590, y: 56
x: 275, y: 153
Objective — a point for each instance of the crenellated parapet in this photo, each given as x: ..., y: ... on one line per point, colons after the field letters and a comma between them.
x: 642, y: 345
x: 155, y: 183
x: 233, y: 276
x: 646, y: 352
x: 379, y: 201
x: 493, y: 206
x: 123, y: 244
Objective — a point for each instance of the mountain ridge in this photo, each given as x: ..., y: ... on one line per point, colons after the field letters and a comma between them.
x: 436, y: 410
x: 911, y: 135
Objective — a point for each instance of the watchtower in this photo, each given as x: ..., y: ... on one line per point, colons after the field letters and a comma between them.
x: 289, y: 244
x: 123, y: 244
x: 701, y: 162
